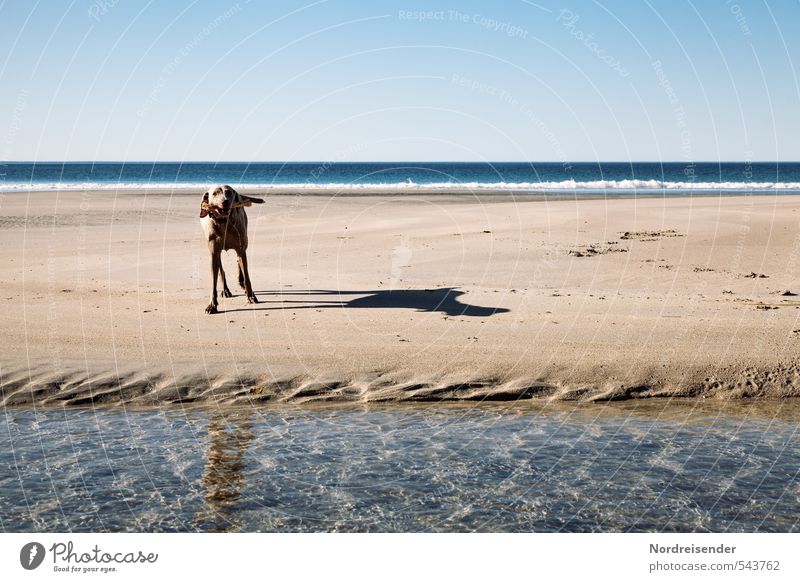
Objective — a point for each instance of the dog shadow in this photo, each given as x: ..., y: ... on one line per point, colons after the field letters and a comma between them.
x: 440, y: 300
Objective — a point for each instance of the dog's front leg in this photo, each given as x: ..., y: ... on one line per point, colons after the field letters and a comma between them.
x: 216, y: 262
x: 248, y: 287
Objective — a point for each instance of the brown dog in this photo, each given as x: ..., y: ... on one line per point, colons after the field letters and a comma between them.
x: 224, y: 222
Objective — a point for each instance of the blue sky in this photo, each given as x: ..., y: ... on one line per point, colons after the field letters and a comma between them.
x: 345, y: 81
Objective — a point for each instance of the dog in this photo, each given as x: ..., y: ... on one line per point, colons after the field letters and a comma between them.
x: 224, y: 223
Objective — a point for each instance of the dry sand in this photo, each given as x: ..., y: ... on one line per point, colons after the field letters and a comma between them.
x: 389, y: 298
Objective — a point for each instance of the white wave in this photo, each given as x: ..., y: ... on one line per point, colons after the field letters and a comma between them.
x: 601, y: 185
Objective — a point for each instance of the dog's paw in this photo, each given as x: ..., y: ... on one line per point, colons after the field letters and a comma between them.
x: 211, y: 309
x: 252, y: 299
x: 227, y: 293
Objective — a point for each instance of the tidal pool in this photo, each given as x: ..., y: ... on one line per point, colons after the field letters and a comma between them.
x: 513, y: 467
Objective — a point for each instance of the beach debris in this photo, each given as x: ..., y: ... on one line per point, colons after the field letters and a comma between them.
x: 703, y: 269
x: 595, y: 249
x: 754, y: 275
x: 765, y: 307
x: 788, y: 293
x: 649, y: 235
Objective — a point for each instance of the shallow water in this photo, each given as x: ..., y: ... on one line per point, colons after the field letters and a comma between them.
x: 651, y: 466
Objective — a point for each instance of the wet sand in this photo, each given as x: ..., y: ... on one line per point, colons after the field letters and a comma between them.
x: 396, y: 297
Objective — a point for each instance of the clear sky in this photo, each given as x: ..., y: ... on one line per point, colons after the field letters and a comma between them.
x: 344, y: 81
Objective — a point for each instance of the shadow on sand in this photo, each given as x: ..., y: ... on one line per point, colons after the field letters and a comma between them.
x: 443, y: 299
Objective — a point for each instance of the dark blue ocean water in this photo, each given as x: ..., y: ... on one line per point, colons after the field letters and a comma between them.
x: 605, y: 176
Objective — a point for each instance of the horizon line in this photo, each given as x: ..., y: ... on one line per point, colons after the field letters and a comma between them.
x: 559, y: 162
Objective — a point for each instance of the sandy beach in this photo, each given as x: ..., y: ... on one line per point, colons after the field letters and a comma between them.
x: 400, y: 297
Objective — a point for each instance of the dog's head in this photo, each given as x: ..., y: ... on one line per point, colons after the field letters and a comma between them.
x: 221, y: 200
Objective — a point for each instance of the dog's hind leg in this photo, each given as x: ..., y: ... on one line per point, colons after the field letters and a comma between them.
x: 226, y: 292
x: 241, y: 275
x: 245, y: 273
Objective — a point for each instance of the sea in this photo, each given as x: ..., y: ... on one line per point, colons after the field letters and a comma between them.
x: 646, y: 466
x: 515, y: 177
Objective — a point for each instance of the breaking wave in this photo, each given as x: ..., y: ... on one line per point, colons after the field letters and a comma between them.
x: 410, y: 186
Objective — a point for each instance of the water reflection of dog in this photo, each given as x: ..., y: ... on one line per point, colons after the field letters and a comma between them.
x: 230, y: 434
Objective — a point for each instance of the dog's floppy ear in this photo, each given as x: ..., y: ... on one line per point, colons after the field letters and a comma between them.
x: 248, y: 200
x: 204, y: 206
